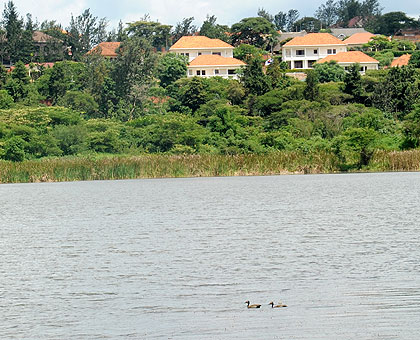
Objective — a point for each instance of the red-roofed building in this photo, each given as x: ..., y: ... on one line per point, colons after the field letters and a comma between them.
x: 106, y: 49
x: 208, y: 57
x: 303, y: 52
x: 401, y: 61
x: 358, y: 39
x: 345, y: 59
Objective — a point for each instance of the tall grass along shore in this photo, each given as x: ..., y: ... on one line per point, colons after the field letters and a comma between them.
x: 170, y: 166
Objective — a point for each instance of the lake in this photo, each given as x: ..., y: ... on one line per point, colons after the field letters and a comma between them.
x: 177, y: 258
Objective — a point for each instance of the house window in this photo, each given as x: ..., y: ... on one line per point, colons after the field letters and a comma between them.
x: 231, y: 71
x: 187, y: 54
x: 311, y: 63
x: 315, y: 51
x: 331, y: 51
x: 216, y: 71
x: 288, y: 53
x: 198, y: 72
x: 190, y: 72
x: 299, y: 64
x: 203, y: 72
x: 300, y: 52
x: 199, y: 53
x: 217, y: 53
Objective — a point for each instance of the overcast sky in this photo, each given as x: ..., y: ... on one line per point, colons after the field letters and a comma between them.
x: 173, y: 11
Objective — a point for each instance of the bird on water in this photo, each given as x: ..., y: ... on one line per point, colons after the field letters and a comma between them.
x: 252, y: 306
x: 279, y: 305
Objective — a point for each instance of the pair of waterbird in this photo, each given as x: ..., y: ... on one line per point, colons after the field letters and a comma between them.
x: 279, y: 305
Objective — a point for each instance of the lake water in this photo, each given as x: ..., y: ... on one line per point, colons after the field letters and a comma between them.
x: 177, y: 258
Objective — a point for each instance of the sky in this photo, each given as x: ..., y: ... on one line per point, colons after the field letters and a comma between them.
x: 173, y: 11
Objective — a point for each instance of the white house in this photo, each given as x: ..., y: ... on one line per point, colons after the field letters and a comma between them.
x: 303, y: 52
x: 208, y: 57
x: 345, y: 59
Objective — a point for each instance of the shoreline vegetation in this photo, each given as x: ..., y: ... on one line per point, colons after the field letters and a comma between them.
x: 83, y: 168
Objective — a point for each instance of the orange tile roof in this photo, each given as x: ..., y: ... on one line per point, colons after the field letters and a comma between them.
x: 199, y: 42
x: 215, y: 60
x: 359, y: 38
x: 107, y: 49
x: 315, y: 39
x: 349, y: 57
x: 401, y: 61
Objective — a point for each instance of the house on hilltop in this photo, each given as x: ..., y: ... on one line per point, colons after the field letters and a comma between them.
x: 207, y: 57
x: 303, y: 52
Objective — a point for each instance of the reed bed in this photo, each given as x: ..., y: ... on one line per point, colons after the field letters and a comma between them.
x: 159, y: 166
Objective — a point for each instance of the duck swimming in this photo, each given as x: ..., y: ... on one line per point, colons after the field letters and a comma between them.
x: 252, y: 306
x: 279, y: 305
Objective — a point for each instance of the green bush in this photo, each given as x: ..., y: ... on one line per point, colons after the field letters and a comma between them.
x: 6, y: 100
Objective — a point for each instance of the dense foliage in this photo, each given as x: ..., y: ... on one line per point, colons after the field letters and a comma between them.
x: 143, y: 103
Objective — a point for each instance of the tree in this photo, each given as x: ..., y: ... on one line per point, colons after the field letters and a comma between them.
x: 308, y: 24
x: 264, y: 14
x: 133, y: 71
x: 378, y: 43
x: 193, y: 93
x: 254, y: 79
x: 329, y: 71
x: 84, y: 32
x: 157, y: 34
x: 212, y: 30
x: 64, y: 76
x: 292, y: 16
x: 80, y: 101
x: 347, y: 10
x: 353, y: 82
x: 245, y: 52
x: 171, y: 67
x: 17, y: 83
x: 253, y: 31
x: 13, y: 26
x: 185, y: 27
x: 327, y: 13
x: 398, y: 92
x: 415, y: 59
x: 6, y: 100
x: 384, y: 58
x: 3, y: 75
x: 311, y: 91
x: 280, y: 20
x: 14, y: 149
x: 276, y: 75
x: 371, y: 8
x: 412, y: 128
x: 390, y: 23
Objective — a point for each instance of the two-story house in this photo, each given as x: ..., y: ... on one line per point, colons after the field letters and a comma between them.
x: 207, y: 57
x: 303, y: 52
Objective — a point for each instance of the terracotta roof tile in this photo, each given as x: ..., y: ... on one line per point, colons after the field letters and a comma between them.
x: 315, y: 39
x: 359, y: 38
x: 199, y: 42
x: 349, y: 57
x: 107, y: 49
x: 215, y: 60
x: 401, y: 61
